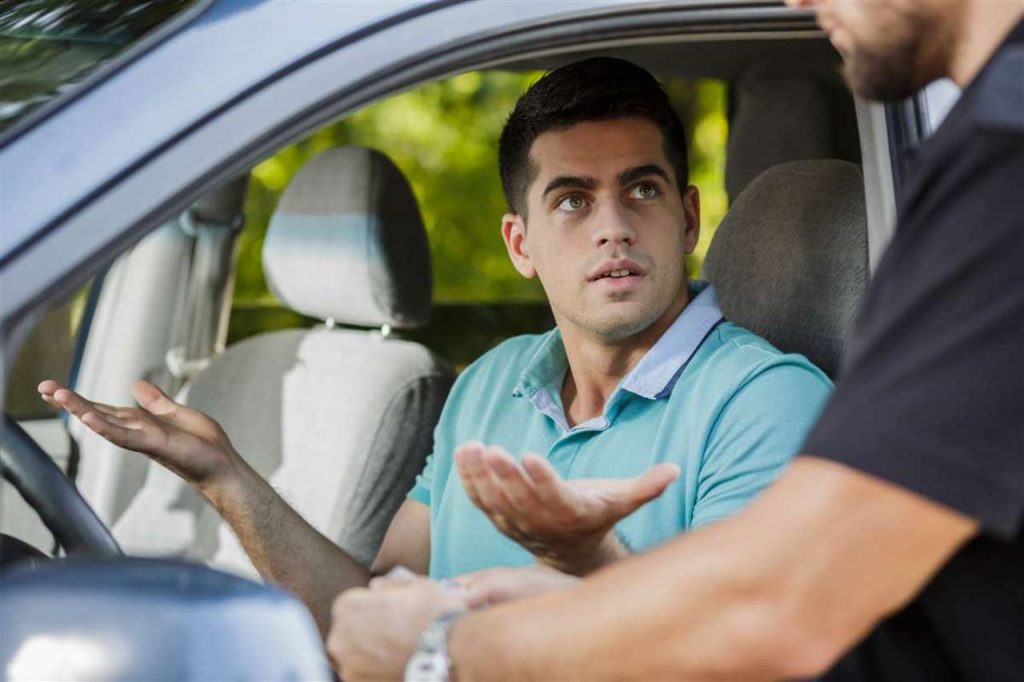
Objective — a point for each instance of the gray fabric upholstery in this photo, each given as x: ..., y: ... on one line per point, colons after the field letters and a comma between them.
x: 790, y: 259
x: 778, y: 118
x: 347, y: 243
x: 340, y: 421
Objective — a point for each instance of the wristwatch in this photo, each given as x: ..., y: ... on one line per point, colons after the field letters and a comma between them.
x: 430, y: 662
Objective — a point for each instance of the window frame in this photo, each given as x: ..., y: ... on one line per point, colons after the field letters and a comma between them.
x: 66, y: 251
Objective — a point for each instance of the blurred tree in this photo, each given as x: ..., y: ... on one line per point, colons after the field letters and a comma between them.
x: 444, y: 137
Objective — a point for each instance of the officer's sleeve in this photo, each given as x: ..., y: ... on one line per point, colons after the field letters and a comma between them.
x: 932, y: 395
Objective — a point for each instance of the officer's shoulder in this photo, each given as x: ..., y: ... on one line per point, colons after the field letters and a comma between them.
x: 997, y: 98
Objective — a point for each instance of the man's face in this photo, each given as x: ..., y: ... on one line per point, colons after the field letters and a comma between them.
x: 890, y: 48
x: 607, y: 230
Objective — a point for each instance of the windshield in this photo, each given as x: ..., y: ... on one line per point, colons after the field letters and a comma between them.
x: 48, y: 46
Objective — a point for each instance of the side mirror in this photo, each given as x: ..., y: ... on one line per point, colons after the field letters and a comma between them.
x: 144, y: 619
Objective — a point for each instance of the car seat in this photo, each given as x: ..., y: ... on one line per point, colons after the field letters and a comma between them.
x: 790, y: 259
x: 338, y: 418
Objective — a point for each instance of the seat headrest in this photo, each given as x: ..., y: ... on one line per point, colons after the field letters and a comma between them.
x: 347, y: 243
x: 778, y: 118
x: 790, y: 259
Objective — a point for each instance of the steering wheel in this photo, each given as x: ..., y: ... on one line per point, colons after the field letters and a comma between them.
x: 53, y: 495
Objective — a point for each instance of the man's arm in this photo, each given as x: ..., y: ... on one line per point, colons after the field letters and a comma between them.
x: 288, y: 551
x: 780, y: 590
x: 283, y: 546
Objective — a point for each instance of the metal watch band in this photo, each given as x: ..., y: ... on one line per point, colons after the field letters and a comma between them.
x: 430, y: 662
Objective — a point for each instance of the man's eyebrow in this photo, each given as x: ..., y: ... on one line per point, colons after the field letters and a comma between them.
x: 633, y: 174
x: 574, y: 181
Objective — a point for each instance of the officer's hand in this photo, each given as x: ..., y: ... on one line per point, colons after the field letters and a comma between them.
x: 496, y: 585
x: 564, y: 524
x: 374, y: 631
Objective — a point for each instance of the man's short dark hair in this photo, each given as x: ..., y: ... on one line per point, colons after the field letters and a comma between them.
x: 595, y: 89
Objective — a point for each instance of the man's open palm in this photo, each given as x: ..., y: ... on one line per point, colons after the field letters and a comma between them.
x: 565, y: 524
x: 184, y: 440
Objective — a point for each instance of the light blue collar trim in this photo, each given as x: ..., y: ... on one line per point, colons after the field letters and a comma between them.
x: 653, y: 376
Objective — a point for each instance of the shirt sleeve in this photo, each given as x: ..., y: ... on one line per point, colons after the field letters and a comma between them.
x: 421, y: 488
x: 932, y: 392
x: 754, y: 437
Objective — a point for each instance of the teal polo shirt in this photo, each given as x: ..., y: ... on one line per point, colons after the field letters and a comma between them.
x: 719, y: 401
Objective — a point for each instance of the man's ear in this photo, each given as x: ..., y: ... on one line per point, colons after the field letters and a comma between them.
x: 691, y: 209
x: 513, y: 231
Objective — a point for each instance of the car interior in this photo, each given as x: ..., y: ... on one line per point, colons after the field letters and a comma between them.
x: 335, y: 398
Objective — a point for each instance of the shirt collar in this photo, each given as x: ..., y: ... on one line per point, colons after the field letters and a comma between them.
x: 655, y: 374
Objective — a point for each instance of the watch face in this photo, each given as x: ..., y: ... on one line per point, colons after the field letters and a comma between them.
x: 427, y: 666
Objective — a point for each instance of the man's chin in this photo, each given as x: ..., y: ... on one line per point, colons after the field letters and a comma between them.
x: 620, y: 326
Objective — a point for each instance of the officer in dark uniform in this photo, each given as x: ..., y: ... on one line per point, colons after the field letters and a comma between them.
x: 937, y: 361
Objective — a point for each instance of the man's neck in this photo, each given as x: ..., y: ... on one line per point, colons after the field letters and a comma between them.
x: 984, y: 27
x: 597, y: 366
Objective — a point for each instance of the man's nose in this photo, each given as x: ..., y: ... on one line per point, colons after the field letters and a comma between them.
x: 614, y: 226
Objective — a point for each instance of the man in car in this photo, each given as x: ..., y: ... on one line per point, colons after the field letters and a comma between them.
x: 893, y: 548
x: 642, y: 386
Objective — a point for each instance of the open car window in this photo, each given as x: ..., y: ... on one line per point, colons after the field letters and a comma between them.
x: 443, y: 135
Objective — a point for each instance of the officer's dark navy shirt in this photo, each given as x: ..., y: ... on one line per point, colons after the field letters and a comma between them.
x: 931, y: 395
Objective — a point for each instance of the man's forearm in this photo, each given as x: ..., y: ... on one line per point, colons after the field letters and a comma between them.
x: 284, y: 547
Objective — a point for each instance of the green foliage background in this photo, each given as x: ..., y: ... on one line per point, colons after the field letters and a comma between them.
x: 444, y: 137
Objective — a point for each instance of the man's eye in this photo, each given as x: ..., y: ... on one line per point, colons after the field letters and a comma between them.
x: 573, y: 202
x: 644, y: 190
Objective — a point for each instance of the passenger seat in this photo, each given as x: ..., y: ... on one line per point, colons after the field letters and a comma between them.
x: 790, y: 259
x: 338, y: 418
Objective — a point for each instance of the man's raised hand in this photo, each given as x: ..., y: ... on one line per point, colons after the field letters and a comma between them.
x: 564, y: 524
x: 184, y: 440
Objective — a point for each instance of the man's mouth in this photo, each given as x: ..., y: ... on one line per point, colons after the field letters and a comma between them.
x: 617, y: 270
x: 618, y: 273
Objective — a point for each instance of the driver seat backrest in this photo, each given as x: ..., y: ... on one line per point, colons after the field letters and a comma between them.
x: 339, y: 420
x: 790, y: 259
